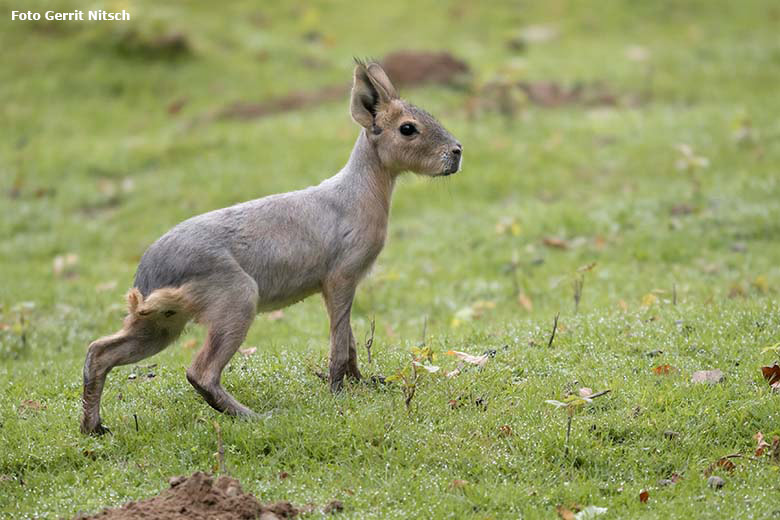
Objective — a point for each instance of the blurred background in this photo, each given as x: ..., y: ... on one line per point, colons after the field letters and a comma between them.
x: 636, y: 135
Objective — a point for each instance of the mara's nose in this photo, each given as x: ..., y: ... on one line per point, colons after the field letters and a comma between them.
x: 457, y: 150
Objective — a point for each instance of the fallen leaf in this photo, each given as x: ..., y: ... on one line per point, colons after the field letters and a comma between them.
x: 453, y: 403
x: 555, y: 242
x: 664, y: 370
x: 459, y: 483
x: 505, y: 429
x: 722, y: 463
x: 248, y: 351
x: 644, y: 495
x: 283, y: 475
x: 468, y: 358
x: 774, y: 455
x: 761, y: 444
x: 772, y: 375
x: 565, y: 513
x: 707, y: 376
x: 32, y: 405
x: 275, y: 315
x: 175, y: 106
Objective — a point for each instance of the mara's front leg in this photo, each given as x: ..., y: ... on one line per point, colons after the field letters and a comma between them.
x: 338, y: 294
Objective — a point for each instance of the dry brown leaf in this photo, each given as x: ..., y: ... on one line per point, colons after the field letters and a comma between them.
x: 772, y: 375
x: 555, y: 242
x: 32, y: 405
x: 707, y: 376
x: 506, y: 430
x: 644, y: 495
x: 664, y: 370
x: 459, y: 483
x: 334, y: 506
x: 774, y: 454
x: 565, y: 513
x: 761, y: 444
x: 469, y: 358
x: 722, y: 463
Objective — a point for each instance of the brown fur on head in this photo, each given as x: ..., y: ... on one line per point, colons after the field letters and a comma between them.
x: 406, y: 138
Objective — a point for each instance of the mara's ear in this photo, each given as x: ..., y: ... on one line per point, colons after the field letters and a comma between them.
x: 370, y: 90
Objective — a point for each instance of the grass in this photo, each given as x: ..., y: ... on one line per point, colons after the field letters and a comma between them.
x: 687, y: 262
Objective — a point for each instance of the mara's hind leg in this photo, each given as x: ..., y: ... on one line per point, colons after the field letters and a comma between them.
x: 228, y: 314
x: 129, y: 345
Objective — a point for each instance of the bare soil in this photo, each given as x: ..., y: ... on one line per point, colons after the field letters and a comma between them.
x: 199, y: 497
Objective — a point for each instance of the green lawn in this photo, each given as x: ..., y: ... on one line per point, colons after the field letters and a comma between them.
x: 94, y: 167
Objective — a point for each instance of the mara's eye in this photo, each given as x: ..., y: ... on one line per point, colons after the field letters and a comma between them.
x: 407, y: 129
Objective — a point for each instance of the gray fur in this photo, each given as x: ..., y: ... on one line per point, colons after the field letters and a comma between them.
x: 223, y: 267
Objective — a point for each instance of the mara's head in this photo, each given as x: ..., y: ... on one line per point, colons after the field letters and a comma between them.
x: 405, y: 137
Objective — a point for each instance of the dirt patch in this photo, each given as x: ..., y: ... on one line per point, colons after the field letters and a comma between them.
x: 293, y: 101
x: 405, y: 68
x: 199, y: 497
x: 415, y: 68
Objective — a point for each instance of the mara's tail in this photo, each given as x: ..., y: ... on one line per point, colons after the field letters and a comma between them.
x: 160, y: 304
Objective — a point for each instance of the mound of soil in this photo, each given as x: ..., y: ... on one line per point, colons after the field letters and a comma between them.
x: 414, y: 68
x: 200, y: 497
